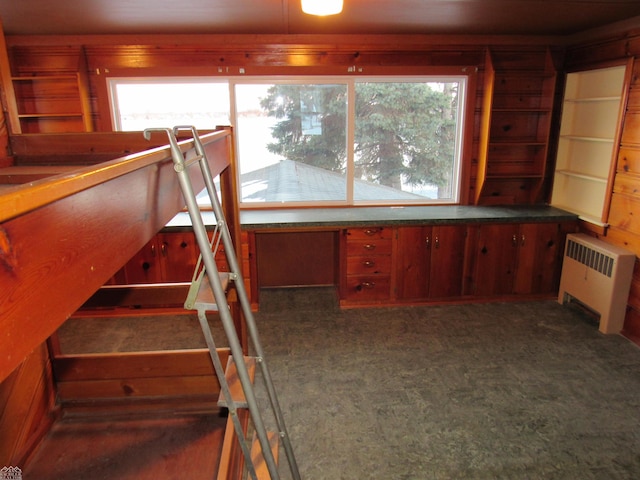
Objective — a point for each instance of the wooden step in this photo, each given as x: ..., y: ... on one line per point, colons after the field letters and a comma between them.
x: 235, y: 387
x: 203, y: 298
x: 262, y: 472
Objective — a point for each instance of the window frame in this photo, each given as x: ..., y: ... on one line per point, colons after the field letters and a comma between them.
x: 465, y: 109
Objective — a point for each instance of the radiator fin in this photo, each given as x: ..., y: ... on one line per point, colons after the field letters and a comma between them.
x: 598, y: 261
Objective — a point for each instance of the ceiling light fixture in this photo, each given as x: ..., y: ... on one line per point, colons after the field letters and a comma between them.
x: 322, y: 7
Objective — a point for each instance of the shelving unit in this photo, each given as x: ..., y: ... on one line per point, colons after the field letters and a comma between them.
x: 516, y: 121
x: 589, y: 140
x: 52, y: 104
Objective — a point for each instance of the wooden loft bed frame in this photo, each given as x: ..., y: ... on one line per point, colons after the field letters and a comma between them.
x: 62, y: 236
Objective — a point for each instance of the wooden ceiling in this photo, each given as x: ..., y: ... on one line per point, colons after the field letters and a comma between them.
x: 455, y: 17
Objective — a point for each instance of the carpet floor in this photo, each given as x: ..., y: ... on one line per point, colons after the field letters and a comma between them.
x: 480, y: 391
x: 526, y: 390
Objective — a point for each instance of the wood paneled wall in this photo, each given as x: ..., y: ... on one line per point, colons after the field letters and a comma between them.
x: 27, y: 400
x: 277, y: 55
x: 96, y: 58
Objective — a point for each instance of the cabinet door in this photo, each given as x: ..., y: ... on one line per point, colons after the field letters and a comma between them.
x: 413, y: 262
x: 495, y: 264
x: 178, y: 255
x: 145, y: 266
x: 168, y: 257
x: 538, y: 266
x: 430, y: 261
x: 446, y: 272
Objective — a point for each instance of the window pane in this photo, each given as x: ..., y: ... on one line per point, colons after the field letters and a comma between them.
x: 292, y: 142
x: 406, y: 141
x: 167, y: 103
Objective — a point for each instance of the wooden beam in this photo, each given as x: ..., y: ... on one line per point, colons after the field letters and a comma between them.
x: 154, y: 374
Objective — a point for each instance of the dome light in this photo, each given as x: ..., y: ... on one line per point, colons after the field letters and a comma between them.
x: 322, y: 7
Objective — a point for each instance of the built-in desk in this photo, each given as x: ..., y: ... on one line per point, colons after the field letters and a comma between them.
x: 392, y: 255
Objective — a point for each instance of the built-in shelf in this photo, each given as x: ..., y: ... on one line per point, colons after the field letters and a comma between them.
x: 52, y: 103
x: 589, y: 134
x: 515, y: 125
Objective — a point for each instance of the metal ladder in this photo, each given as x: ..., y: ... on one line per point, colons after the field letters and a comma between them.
x: 207, y: 281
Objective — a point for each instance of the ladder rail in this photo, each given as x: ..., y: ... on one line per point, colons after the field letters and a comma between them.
x: 211, y: 270
x: 224, y: 386
x: 245, y: 305
x: 244, y: 300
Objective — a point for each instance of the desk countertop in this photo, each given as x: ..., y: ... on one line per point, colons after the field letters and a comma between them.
x: 370, y: 216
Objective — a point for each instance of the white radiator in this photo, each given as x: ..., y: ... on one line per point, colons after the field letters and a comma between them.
x: 598, y: 275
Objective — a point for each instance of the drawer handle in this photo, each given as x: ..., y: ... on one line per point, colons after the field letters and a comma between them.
x: 368, y: 285
x: 371, y: 231
x: 369, y: 246
x: 369, y: 263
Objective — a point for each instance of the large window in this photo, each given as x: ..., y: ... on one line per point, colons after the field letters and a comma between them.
x: 312, y: 141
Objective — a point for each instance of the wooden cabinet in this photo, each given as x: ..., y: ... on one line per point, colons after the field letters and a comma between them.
x: 516, y: 258
x: 589, y: 140
x: 367, y: 265
x: 540, y: 250
x: 494, y: 260
x: 430, y: 261
x: 168, y: 257
x: 424, y: 263
x: 515, y: 122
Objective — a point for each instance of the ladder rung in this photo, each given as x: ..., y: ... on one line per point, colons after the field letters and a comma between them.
x: 262, y: 472
x: 205, y: 299
x: 193, y: 160
x: 235, y: 387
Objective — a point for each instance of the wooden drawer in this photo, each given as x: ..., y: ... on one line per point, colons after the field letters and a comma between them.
x: 368, y: 233
x: 368, y: 288
x: 371, y: 246
x: 369, y: 265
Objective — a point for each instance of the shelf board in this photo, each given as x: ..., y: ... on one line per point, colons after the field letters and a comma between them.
x: 582, y: 215
x: 49, y: 115
x: 583, y: 176
x: 515, y: 142
x: 592, y: 99
x: 514, y: 176
x: 44, y: 78
x: 522, y: 110
x: 586, y: 139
